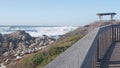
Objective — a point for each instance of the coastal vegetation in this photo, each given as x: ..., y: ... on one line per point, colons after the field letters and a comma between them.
x: 43, y: 57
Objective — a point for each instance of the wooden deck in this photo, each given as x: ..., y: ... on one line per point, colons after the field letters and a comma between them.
x: 112, y: 57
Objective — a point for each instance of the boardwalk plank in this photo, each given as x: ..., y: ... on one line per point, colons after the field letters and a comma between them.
x: 112, y: 57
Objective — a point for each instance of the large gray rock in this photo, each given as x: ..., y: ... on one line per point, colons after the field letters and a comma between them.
x: 12, y: 46
x: 21, y: 43
x: 19, y: 35
x: 10, y: 41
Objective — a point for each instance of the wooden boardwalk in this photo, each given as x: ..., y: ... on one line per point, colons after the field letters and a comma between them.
x: 112, y: 57
x: 96, y: 53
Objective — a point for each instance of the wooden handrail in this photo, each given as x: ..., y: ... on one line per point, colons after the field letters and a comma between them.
x: 89, y: 50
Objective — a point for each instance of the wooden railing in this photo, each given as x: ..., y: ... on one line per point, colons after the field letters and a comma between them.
x: 88, y: 51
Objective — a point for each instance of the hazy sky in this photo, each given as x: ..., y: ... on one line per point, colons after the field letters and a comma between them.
x: 54, y: 12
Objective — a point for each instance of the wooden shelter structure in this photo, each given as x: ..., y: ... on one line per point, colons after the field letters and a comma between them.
x: 104, y: 14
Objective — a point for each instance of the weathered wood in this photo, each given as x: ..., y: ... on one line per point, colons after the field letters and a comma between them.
x: 112, y: 57
x: 86, y: 52
x: 100, y: 14
x: 78, y: 55
x: 104, y: 14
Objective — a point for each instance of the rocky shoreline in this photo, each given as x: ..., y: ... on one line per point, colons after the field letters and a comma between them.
x: 17, y: 44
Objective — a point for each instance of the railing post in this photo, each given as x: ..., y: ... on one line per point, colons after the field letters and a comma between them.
x: 118, y: 34
x: 112, y: 33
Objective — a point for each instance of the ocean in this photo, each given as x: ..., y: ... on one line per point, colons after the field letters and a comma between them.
x: 36, y: 31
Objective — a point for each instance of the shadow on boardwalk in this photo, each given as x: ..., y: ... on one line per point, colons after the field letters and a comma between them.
x: 112, y: 57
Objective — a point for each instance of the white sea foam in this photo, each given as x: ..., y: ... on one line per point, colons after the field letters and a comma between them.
x: 36, y: 31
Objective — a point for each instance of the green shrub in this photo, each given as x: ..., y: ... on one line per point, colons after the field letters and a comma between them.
x: 43, y: 57
x: 37, y: 58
